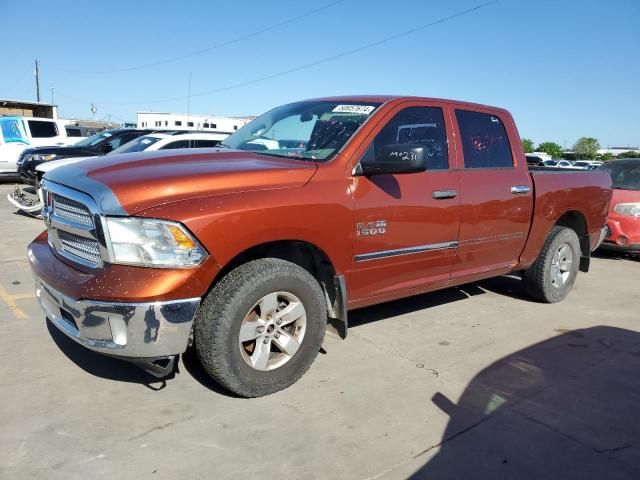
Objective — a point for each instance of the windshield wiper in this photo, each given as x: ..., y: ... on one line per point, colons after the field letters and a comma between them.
x: 277, y: 155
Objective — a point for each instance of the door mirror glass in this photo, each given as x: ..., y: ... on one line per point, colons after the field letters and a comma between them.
x: 397, y: 158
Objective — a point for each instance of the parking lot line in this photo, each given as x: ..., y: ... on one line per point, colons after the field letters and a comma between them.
x: 10, y: 301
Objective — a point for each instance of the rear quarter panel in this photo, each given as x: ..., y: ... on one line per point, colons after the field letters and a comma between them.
x: 557, y: 193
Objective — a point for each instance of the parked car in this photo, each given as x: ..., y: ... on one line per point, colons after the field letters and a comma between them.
x: 534, y: 160
x: 149, y: 143
x: 593, y: 165
x: 18, y: 133
x: 76, y: 133
x: 565, y: 164
x: 586, y: 164
x: 623, y: 222
x: 98, y: 144
x: 550, y: 163
x: 156, y: 141
x: 251, y: 251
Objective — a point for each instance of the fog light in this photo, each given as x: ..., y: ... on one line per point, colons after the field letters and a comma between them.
x: 622, y: 240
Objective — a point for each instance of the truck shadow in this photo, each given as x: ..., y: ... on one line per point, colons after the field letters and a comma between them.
x: 506, y: 285
x: 616, y: 256
x: 113, y: 368
x: 100, y: 365
x: 118, y: 370
x: 567, y: 407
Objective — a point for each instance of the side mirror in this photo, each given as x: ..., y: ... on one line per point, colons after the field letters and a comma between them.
x: 443, y: 403
x: 107, y: 147
x: 396, y: 158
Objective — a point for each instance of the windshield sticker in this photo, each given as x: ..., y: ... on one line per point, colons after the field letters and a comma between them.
x: 355, y: 109
x: 146, y: 141
x: 107, y: 135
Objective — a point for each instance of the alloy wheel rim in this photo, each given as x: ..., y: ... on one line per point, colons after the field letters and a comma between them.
x: 272, y: 331
x: 561, y: 265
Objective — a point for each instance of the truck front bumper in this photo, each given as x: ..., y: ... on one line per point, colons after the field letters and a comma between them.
x: 132, y: 330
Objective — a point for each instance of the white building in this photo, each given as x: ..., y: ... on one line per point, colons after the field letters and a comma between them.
x: 182, y: 121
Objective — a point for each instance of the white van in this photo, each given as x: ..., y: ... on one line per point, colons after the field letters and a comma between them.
x: 18, y: 133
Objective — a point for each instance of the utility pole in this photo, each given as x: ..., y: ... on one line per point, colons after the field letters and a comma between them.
x: 189, y: 100
x: 37, y: 81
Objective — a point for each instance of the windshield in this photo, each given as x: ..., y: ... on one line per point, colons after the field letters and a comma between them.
x: 13, y: 130
x: 625, y: 175
x: 137, y: 145
x: 93, y: 140
x: 305, y: 130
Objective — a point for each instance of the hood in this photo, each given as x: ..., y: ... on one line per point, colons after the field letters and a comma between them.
x: 68, y: 151
x: 131, y: 182
x: 44, y: 167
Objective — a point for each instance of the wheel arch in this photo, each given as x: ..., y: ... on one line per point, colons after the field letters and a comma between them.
x: 576, y: 221
x: 313, y: 259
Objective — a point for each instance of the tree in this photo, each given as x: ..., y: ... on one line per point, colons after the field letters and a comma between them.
x: 527, y: 144
x: 551, y: 148
x: 586, y: 147
x: 629, y: 154
x: 605, y: 156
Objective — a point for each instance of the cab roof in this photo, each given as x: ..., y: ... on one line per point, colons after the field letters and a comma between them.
x: 389, y: 98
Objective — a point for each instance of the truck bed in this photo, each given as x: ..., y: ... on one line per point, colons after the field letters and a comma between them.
x: 566, y: 192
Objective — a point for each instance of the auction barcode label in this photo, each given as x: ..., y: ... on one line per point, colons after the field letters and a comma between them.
x: 357, y: 109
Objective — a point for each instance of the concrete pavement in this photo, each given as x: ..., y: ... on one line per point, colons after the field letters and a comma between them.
x: 473, y: 382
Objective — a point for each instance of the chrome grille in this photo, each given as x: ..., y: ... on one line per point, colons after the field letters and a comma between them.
x: 72, y: 231
x: 68, y: 209
x: 81, y: 247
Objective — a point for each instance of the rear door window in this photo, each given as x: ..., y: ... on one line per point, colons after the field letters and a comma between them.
x: 206, y: 143
x: 42, y: 129
x: 176, y: 144
x: 73, y: 132
x: 485, y: 143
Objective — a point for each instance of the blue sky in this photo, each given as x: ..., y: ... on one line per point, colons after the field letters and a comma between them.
x: 565, y: 69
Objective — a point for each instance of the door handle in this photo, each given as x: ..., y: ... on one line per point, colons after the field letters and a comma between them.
x: 444, y: 194
x: 520, y: 189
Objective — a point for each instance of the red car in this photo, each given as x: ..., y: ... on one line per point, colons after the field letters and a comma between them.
x: 624, y: 211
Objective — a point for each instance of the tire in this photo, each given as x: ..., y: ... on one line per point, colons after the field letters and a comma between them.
x: 543, y: 280
x: 236, y: 304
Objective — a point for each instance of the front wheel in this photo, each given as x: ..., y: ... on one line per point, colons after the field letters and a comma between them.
x: 261, y: 327
x: 551, y: 277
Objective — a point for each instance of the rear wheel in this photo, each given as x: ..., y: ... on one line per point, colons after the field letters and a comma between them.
x: 260, y: 328
x: 551, y: 277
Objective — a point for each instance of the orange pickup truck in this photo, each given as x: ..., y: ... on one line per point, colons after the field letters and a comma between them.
x: 250, y: 252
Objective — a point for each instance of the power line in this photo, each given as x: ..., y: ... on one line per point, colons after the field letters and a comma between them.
x: 314, y: 63
x: 213, y: 47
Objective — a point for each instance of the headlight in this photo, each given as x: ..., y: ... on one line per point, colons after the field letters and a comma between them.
x: 43, y: 157
x: 152, y: 243
x: 628, y: 209
x: 23, y: 158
